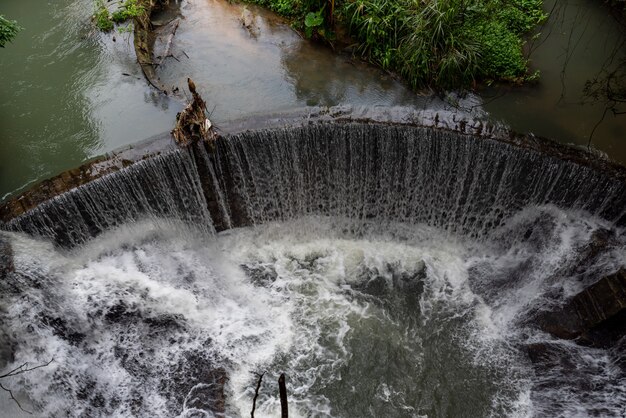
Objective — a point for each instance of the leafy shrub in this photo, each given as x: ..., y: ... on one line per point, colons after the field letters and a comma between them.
x: 437, y: 43
x: 102, y: 17
x: 500, y: 51
x: 286, y: 8
x: 105, y: 21
x: 445, y: 43
x: 313, y: 21
x: 129, y: 9
x: 8, y: 30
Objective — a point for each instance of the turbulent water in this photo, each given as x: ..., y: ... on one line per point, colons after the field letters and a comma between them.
x: 386, y: 270
x: 402, y: 320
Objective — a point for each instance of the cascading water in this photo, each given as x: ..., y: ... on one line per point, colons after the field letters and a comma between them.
x: 165, y: 187
x: 390, y: 271
x: 460, y: 183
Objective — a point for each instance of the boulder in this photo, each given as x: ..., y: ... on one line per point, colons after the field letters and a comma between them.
x: 596, y: 316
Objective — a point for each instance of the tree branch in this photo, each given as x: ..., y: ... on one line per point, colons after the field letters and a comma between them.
x: 23, y: 368
x: 256, y: 393
x: 606, y: 109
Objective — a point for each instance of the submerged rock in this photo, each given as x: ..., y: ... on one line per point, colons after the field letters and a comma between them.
x: 596, y: 316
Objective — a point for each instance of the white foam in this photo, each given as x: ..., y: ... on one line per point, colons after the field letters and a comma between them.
x: 299, y: 316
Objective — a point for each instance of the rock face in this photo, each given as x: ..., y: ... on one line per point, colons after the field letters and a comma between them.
x: 596, y: 316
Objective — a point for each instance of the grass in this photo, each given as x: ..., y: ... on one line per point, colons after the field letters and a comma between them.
x: 431, y: 43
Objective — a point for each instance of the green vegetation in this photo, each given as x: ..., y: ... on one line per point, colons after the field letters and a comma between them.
x: 437, y: 43
x: 102, y: 17
x: 313, y: 21
x: 129, y: 10
x: 105, y: 20
x: 8, y: 30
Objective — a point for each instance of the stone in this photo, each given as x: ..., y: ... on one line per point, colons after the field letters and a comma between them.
x: 596, y: 316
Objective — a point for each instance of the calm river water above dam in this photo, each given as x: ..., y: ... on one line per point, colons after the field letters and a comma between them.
x: 68, y: 93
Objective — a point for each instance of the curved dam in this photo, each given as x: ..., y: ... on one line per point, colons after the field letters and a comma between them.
x: 390, y: 263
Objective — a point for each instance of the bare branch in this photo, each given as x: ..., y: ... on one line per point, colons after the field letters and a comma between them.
x: 606, y: 109
x: 14, y: 371
x: 22, y: 369
x: 256, y: 393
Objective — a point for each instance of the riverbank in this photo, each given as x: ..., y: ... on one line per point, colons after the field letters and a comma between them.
x: 438, y: 44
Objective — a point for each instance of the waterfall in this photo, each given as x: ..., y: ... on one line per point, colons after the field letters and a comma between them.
x: 456, y: 182
x: 165, y: 186
x: 445, y: 179
x: 340, y: 245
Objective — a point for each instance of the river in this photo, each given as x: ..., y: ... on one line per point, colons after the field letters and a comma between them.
x: 69, y: 93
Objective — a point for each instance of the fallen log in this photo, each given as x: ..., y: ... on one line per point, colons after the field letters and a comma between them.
x: 144, y: 41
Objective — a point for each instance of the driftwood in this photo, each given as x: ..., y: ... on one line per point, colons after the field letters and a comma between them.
x: 192, y: 124
x: 168, y: 46
x: 144, y: 42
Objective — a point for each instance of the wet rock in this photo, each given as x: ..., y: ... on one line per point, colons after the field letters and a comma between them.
x: 596, y: 316
x: 212, y: 182
x: 550, y: 354
x: 600, y: 240
x: 63, y: 330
